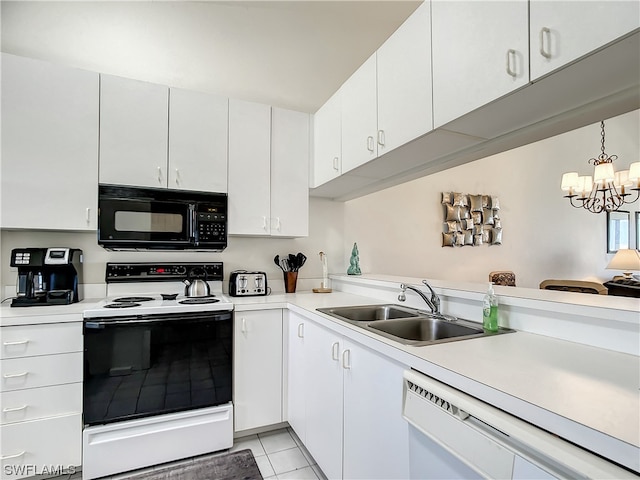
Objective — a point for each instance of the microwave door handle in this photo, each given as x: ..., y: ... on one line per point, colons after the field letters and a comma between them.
x: 193, y: 233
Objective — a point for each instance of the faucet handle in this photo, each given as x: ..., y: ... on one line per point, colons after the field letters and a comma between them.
x: 434, y: 297
x: 402, y: 297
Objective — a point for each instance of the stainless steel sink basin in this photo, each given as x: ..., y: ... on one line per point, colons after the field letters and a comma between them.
x: 369, y: 313
x: 408, y: 325
x: 424, y: 330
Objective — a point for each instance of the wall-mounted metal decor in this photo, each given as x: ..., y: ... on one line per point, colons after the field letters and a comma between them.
x: 471, y: 220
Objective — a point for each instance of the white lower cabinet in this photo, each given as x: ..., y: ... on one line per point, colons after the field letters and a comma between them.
x: 51, y: 446
x: 323, y: 398
x: 351, y: 404
x: 37, y: 403
x: 296, y: 375
x: 376, y: 442
x: 257, y: 369
x: 41, y: 399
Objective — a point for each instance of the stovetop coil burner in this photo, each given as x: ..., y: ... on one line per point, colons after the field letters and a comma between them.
x: 198, y: 301
x: 122, y: 305
x: 133, y: 299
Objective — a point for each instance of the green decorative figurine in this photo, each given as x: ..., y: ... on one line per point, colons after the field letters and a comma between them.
x: 354, y: 267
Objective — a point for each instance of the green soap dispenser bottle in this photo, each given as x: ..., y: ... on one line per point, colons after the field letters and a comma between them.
x: 490, y: 310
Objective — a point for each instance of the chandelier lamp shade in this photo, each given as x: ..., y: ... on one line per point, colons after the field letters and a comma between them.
x: 605, y: 191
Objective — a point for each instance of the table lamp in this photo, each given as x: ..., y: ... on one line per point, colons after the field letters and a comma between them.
x: 626, y: 260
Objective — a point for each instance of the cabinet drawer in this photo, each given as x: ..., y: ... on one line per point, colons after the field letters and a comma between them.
x: 50, y: 444
x: 33, y: 340
x: 32, y: 372
x: 39, y: 403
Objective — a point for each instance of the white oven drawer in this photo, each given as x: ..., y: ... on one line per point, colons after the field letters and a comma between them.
x: 33, y: 340
x: 30, y: 447
x: 39, y: 403
x: 32, y: 372
x: 122, y: 446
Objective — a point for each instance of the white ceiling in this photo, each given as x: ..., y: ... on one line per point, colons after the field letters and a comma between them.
x: 292, y: 54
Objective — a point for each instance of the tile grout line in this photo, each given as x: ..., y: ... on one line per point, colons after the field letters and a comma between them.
x: 267, y: 455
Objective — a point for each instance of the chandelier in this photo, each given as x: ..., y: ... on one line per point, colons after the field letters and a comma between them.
x: 605, y: 191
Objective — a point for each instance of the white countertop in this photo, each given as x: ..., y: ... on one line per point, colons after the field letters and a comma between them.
x: 45, y: 313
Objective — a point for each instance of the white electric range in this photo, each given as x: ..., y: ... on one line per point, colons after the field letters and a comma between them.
x: 158, y: 368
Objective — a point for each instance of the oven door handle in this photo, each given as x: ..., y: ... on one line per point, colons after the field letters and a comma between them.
x: 139, y: 320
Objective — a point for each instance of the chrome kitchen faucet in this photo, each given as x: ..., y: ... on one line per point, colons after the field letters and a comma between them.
x: 433, y: 302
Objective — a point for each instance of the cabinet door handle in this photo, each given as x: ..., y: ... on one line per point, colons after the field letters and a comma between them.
x: 15, y: 375
x: 16, y: 409
x: 370, y: 143
x: 278, y: 223
x: 243, y: 328
x: 88, y: 215
x: 335, y: 164
x: 11, y: 344
x: 381, y: 137
x: 346, y: 359
x: 545, y: 32
x: 335, y: 351
x: 511, y: 55
x: 160, y: 175
x: 301, y: 330
x: 7, y: 457
x: 264, y: 223
x: 177, y: 177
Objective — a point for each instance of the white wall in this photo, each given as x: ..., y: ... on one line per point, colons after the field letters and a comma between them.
x: 251, y: 253
x: 399, y: 230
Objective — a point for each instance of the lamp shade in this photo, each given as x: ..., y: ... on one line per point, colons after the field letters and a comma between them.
x: 603, y: 173
x: 622, y: 179
x: 569, y: 181
x: 626, y: 260
x: 634, y: 172
x: 585, y: 184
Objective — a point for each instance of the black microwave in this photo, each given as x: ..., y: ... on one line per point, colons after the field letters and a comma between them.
x: 135, y: 218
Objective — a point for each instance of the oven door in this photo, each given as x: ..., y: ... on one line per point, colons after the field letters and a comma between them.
x: 138, y: 366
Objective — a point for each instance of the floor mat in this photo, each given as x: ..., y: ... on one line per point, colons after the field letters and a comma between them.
x: 229, y: 466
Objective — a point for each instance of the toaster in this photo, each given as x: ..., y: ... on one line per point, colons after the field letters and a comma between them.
x: 247, y: 284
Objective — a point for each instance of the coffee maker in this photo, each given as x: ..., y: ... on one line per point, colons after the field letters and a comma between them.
x: 47, y: 276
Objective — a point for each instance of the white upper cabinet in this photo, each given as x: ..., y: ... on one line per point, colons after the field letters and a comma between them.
x: 249, y: 168
x: 268, y: 170
x: 150, y: 137
x: 198, y: 135
x: 562, y: 32
x: 289, y: 173
x: 134, y: 120
x: 359, y: 116
x: 327, y: 138
x: 404, y: 82
x: 49, y: 137
x: 480, y: 53
x: 387, y: 101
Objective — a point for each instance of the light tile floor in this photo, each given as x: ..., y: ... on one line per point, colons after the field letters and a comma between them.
x: 280, y: 455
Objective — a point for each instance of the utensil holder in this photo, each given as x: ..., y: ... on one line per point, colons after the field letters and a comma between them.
x: 290, y: 280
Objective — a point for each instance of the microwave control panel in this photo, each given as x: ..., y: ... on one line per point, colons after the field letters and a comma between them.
x: 211, y: 225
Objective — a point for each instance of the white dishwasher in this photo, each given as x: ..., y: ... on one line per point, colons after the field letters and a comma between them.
x: 453, y: 435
